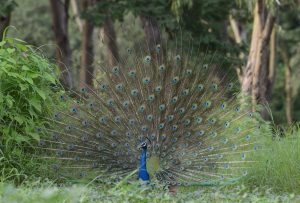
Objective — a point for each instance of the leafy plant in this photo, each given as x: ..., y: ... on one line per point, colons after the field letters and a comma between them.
x: 27, y: 81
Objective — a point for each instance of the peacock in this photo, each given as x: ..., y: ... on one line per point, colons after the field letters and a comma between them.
x: 167, y: 114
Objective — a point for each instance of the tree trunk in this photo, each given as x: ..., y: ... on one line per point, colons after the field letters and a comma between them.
x: 60, y: 28
x: 4, y: 22
x: 256, y: 81
x: 109, y: 38
x: 87, y: 49
x: 288, y: 84
x: 76, y: 12
x: 152, y: 33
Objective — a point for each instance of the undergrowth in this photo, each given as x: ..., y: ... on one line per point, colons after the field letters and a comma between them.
x: 27, y: 85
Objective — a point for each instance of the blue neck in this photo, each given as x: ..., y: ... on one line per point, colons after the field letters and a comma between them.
x: 143, y: 173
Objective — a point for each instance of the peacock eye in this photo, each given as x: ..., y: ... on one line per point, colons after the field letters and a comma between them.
x: 188, y: 72
x: 175, y: 80
x: 162, y: 68
x: 200, y: 87
x: 146, y: 80
x: 132, y: 73
x: 177, y: 58
x: 158, y: 48
x: 147, y: 59
x: 205, y: 66
x: 129, y: 50
x: 116, y: 70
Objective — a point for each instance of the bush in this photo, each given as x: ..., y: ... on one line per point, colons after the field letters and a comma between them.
x: 27, y: 81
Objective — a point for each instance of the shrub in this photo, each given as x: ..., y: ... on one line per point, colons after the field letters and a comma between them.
x: 27, y: 81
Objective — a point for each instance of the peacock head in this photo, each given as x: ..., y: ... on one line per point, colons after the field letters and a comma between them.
x: 144, y: 144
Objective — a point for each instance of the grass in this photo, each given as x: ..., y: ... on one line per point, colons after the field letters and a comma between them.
x: 278, y: 165
x: 37, y: 191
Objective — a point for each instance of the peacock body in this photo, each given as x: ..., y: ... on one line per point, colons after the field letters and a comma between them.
x: 174, y: 118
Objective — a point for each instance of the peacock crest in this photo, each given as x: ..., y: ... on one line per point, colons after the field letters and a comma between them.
x: 161, y: 111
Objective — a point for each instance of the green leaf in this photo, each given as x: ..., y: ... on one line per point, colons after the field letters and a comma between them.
x: 35, y: 103
x: 41, y: 93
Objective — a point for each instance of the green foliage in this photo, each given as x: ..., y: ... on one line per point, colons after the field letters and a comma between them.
x: 26, y: 97
x: 278, y: 164
x: 7, y: 6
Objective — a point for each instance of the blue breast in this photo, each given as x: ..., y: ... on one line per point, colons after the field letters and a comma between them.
x: 143, y: 173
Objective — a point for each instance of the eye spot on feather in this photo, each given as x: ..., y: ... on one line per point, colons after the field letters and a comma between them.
x: 234, y: 147
x: 147, y: 59
x: 181, y: 110
x: 62, y: 97
x: 186, y: 122
x: 132, y: 73
x: 174, y: 127
x: 185, y: 92
x: 188, y: 72
x: 76, y: 158
x: 177, y: 58
x: 205, y: 66
x: 110, y: 102
x: 142, y: 108
x: 134, y: 92
x: 117, y: 119
x: 103, y: 87
x: 84, y: 123
x: 161, y: 126
x: 162, y: 68
x: 99, y: 135
x: 207, y: 104
x: 129, y: 50
x: 238, y: 130
x: 214, y: 87
x: 237, y: 109
x: 131, y: 121
x: 103, y: 120
x: 175, y: 80
x: 74, y: 110
x: 146, y: 80
x: 113, y: 132
x: 230, y: 86
x: 145, y: 128
x: 42, y: 143
x: 187, y: 134
x: 226, y: 166
x: 120, y: 87
x: 213, y: 134
x: 158, y: 88
x: 157, y: 48
x: 174, y: 100
x: 200, y: 87
x: 162, y: 107
x: 223, y: 106
x: 83, y: 90
x: 126, y: 104
x: 150, y: 117
x: 151, y: 98
x: 116, y: 70
x: 226, y: 124
x: 198, y: 120
x: 248, y: 137
x: 170, y: 117
x: 194, y: 106
x: 205, y: 159
x: 243, y: 156
x: 212, y: 121
x: 200, y: 133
